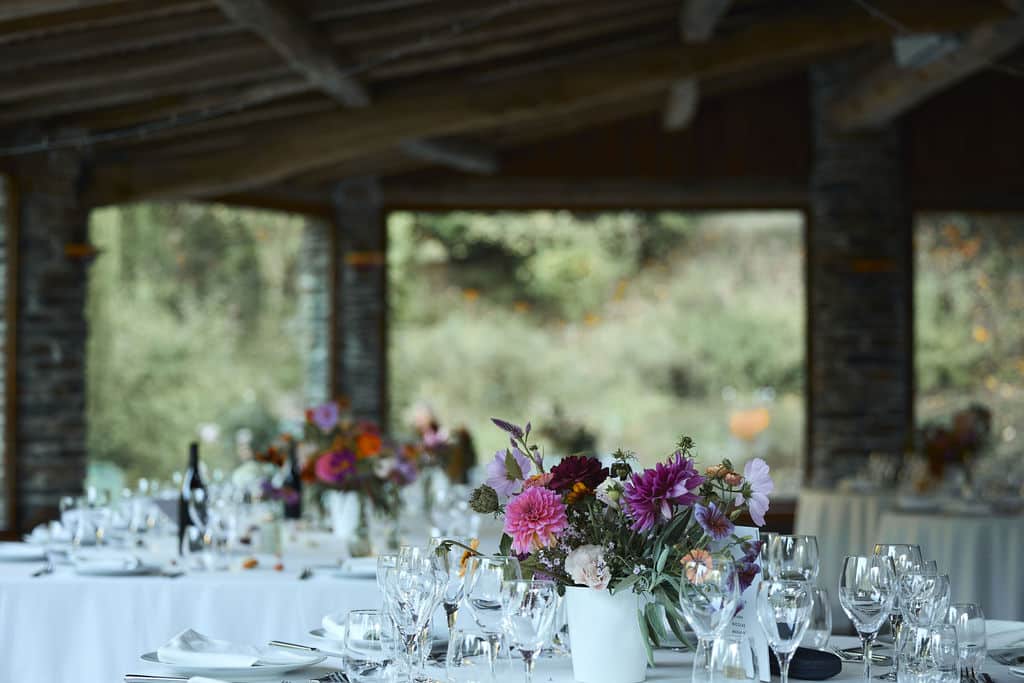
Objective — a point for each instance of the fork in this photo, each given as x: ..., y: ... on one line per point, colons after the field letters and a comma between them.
x: 45, y: 569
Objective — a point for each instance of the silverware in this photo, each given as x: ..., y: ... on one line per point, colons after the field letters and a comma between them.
x: 856, y: 654
x: 44, y: 570
x: 306, y: 573
x: 334, y: 677
x: 305, y: 648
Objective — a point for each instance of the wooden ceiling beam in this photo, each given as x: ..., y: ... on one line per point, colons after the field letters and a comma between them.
x: 458, y: 153
x: 322, y: 140
x: 23, y: 9
x: 34, y: 27
x: 890, y: 91
x: 697, y: 21
x: 305, y: 48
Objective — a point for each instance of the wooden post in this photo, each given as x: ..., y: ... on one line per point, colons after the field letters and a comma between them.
x: 360, y: 299
x: 860, y: 274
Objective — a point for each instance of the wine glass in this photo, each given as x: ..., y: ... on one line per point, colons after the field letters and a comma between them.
x: 484, y: 578
x: 969, y: 622
x: 708, y: 595
x: 449, y: 559
x: 528, y: 611
x: 819, y: 627
x: 385, y: 561
x: 784, y: 611
x: 793, y: 558
x: 928, y: 599
x: 409, y: 593
x: 905, y: 558
x: 867, y: 589
x: 369, y: 643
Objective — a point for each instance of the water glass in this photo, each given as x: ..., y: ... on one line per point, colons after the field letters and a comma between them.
x: 819, y: 627
x: 793, y: 558
x: 385, y: 561
x: 905, y: 559
x: 784, y: 611
x: 529, y: 609
x: 467, y: 658
x: 867, y: 590
x: 485, y: 576
x: 927, y: 654
x: 450, y: 563
x: 733, y: 659
x: 369, y: 646
x: 969, y: 622
x: 410, y: 593
x: 708, y: 597
x: 927, y: 598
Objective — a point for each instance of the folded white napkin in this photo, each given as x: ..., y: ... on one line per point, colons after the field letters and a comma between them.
x: 1004, y: 634
x: 51, y: 532
x: 334, y: 626
x: 105, y: 560
x: 191, y: 648
x: 364, y: 566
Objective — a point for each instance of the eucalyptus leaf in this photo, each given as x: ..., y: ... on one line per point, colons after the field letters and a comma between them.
x: 662, y: 559
x: 512, y: 469
x: 645, y: 636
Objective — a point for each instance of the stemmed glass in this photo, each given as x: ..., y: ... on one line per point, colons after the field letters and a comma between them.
x: 385, y: 561
x: 485, y: 576
x: 793, y: 558
x: 819, y: 626
x: 528, y: 612
x: 925, y: 598
x: 450, y: 563
x: 867, y: 589
x: 708, y: 595
x: 969, y: 622
x: 905, y: 558
x: 409, y: 594
x: 784, y: 610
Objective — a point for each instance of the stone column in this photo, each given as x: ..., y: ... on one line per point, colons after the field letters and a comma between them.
x: 50, y: 435
x: 360, y: 299
x: 860, y: 288
x: 314, y: 307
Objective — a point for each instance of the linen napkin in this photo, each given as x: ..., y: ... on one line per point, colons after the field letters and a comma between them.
x: 334, y: 626
x: 360, y: 566
x: 105, y: 560
x: 191, y: 648
x: 1005, y: 641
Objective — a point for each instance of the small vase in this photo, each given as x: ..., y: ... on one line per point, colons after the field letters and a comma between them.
x: 359, y: 543
x: 604, y: 636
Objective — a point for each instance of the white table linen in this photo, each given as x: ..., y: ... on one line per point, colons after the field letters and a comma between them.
x: 983, y: 555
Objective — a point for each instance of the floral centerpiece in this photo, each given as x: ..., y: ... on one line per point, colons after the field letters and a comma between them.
x: 353, y: 456
x: 960, y: 443
x: 620, y: 531
x: 263, y: 476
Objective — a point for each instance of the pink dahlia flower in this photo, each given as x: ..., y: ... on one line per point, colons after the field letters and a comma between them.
x: 534, y: 518
x: 336, y: 467
x: 652, y: 496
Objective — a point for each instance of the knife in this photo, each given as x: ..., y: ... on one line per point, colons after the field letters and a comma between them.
x: 305, y: 648
x: 336, y: 677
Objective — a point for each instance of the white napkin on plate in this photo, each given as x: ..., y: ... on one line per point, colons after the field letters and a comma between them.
x: 334, y: 626
x: 191, y: 648
x: 105, y: 560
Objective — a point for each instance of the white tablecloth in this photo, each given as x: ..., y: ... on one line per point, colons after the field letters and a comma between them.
x: 983, y: 555
x: 845, y: 524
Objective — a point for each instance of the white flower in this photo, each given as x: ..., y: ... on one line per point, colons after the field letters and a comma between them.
x: 250, y: 474
x: 609, y: 492
x: 383, y: 467
x: 587, y: 567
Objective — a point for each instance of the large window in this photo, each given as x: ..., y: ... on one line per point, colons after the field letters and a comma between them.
x: 618, y: 329
x: 196, y: 330
x: 970, y: 319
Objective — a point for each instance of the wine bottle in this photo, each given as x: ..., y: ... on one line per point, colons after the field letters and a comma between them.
x: 293, y: 482
x: 192, y: 502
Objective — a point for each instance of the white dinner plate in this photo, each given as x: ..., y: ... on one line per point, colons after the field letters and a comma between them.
x: 322, y: 635
x: 239, y: 673
x: 13, y: 551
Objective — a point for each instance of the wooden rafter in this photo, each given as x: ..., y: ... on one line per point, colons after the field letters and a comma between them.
x: 697, y: 21
x: 322, y: 140
x: 305, y: 48
x: 889, y: 91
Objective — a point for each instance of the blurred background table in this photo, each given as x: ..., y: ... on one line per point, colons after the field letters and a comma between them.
x: 982, y: 553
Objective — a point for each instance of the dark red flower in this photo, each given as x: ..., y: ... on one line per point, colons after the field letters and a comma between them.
x: 577, y: 469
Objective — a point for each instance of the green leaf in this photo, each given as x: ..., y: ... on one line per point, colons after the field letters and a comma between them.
x: 625, y: 583
x: 645, y: 636
x: 505, y: 545
x: 512, y: 469
x: 656, y: 620
x: 662, y: 559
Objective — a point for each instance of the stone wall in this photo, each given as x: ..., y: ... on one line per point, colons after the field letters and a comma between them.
x: 4, y: 208
x: 51, y: 336
x: 860, y: 285
x: 360, y: 356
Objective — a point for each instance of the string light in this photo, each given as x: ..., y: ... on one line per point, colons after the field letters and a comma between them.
x: 144, y: 130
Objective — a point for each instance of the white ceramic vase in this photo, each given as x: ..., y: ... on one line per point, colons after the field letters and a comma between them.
x: 604, y: 636
x: 343, y: 510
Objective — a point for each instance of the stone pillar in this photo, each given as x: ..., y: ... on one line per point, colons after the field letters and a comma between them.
x: 860, y: 288
x: 314, y: 308
x: 5, y: 454
x: 50, y: 436
x: 360, y: 299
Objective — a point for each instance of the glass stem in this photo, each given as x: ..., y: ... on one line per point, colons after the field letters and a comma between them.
x: 494, y: 646
x: 784, y: 659
x: 702, y: 661
x: 866, y: 639
x: 451, y: 611
x: 423, y: 649
x: 410, y: 653
x: 528, y: 662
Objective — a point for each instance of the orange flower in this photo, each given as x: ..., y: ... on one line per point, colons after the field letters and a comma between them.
x: 696, y: 563
x: 579, y: 490
x: 474, y: 544
x: 367, y: 445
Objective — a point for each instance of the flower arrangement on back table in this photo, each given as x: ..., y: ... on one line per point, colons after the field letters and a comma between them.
x: 583, y: 524
x: 353, y: 455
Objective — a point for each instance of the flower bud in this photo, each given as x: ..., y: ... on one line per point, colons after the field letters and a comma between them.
x: 484, y: 500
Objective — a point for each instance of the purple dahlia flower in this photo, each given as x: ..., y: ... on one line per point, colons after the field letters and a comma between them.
x: 652, y: 496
